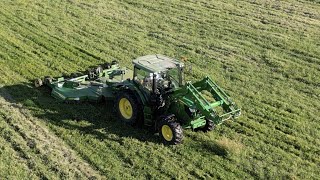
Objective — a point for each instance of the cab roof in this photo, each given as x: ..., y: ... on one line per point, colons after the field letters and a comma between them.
x: 156, y: 63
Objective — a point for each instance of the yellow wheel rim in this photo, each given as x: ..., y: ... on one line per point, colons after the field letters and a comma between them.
x: 167, y: 132
x: 125, y: 108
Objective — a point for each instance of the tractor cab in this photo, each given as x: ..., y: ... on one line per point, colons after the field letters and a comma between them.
x: 156, y: 72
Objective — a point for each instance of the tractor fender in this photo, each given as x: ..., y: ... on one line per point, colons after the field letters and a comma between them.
x: 135, y: 90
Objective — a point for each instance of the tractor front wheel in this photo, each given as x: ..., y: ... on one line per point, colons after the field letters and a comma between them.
x: 128, y: 108
x: 208, y: 127
x: 170, y: 131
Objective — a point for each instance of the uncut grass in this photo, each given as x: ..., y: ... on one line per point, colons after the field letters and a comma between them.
x: 266, y: 57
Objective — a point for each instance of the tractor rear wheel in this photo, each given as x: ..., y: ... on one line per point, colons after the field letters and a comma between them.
x: 128, y: 108
x: 170, y: 131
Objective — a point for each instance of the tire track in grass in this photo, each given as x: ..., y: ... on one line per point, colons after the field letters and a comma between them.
x: 51, y: 155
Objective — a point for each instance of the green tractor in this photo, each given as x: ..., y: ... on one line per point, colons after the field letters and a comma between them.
x: 154, y: 94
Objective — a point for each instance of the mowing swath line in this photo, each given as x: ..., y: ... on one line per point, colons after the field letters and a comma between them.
x: 28, y: 151
x: 260, y: 137
x: 21, y: 46
x: 26, y: 56
x: 307, y: 107
x: 279, y: 7
x: 11, y: 164
x: 8, y: 76
x: 72, y: 49
x: 204, y: 14
x: 264, y: 93
x: 41, y: 56
x: 52, y: 43
x: 79, y: 49
x: 27, y: 127
x: 279, y: 141
x: 284, y: 123
x: 294, y: 95
x: 85, y: 155
x: 266, y: 107
x: 98, y: 147
x: 90, y: 150
x: 254, y: 32
x: 14, y: 65
x: 281, y: 125
x: 298, y: 142
x: 24, y: 152
x: 258, y: 41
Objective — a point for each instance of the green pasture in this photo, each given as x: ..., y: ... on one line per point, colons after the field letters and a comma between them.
x: 265, y: 54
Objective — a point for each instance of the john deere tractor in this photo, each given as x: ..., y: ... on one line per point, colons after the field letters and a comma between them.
x: 154, y: 94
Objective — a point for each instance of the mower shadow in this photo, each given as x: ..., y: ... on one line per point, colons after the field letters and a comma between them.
x: 96, y: 119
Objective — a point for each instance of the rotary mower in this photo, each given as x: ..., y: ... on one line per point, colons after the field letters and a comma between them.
x: 154, y: 94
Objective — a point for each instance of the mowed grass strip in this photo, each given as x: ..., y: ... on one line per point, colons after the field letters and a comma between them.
x: 11, y: 158
x: 45, y: 155
x: 264, y: 53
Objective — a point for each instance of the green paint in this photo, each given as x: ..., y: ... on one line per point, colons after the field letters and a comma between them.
x: 187, y: 102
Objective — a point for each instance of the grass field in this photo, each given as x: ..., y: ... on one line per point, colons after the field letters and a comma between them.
x: 266, y: 54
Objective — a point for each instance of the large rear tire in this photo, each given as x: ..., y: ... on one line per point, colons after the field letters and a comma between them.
x: 128, y: 108
x: 170, y: 131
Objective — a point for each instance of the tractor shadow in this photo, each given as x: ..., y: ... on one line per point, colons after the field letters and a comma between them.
x: 96, y: 119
